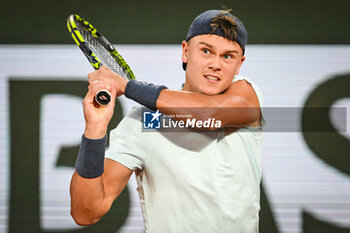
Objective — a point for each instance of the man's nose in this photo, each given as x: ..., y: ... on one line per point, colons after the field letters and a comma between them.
x: 215, y: 63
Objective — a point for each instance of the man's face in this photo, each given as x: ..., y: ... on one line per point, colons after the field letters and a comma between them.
x: 212, y: 62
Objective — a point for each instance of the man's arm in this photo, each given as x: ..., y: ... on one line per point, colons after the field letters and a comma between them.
x: 238, y: 106
x: 92, y: 197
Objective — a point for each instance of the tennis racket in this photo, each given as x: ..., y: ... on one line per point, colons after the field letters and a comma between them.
x: 99, y: 51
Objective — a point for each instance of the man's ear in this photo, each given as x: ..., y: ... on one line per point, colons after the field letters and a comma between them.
x: 184, y: 52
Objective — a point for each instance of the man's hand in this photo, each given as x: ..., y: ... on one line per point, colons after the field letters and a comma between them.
x: 109, y: 77
x: 97, y: 117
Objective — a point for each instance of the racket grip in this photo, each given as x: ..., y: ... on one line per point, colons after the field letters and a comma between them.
x: 103, y: 97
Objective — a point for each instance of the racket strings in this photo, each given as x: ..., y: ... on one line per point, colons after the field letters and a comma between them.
x: 100, y: 51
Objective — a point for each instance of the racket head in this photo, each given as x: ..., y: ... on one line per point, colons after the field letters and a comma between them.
x: 97, y: 49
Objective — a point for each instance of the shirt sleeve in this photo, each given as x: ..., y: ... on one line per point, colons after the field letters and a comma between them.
x: 128, y: 144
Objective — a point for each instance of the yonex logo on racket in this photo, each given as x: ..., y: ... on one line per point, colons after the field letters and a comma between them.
x: 152, y: 120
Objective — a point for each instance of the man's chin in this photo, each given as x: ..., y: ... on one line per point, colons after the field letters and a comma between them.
x: 210, y: 92
x: 207, y: 90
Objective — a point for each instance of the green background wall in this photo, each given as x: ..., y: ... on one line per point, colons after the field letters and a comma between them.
x: 166, y: 22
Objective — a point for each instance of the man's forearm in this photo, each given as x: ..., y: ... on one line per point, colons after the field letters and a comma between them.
x: 87, y: 189
x: 231, y: 110
x: 238, y: 106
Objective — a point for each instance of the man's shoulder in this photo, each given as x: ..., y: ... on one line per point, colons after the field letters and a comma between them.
x: 131, y: 121
x: 135, y: 112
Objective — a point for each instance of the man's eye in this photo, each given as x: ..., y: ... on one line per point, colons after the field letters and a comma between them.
x: 227, y: 56
x: 206, y: 51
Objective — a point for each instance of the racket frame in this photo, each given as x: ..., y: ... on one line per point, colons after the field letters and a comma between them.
x: 93, y: 59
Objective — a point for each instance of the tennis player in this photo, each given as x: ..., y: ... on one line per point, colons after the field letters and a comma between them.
x: 188, y: 181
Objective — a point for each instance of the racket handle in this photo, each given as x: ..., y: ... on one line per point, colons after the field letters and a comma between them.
x: 103, y: 97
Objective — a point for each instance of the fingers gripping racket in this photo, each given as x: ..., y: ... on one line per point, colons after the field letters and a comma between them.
x: 99, y: 51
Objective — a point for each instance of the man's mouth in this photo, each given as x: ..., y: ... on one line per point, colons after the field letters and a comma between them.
x: 212, y: 78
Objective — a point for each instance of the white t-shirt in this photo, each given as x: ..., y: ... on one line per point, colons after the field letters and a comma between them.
x: 193, y: 181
